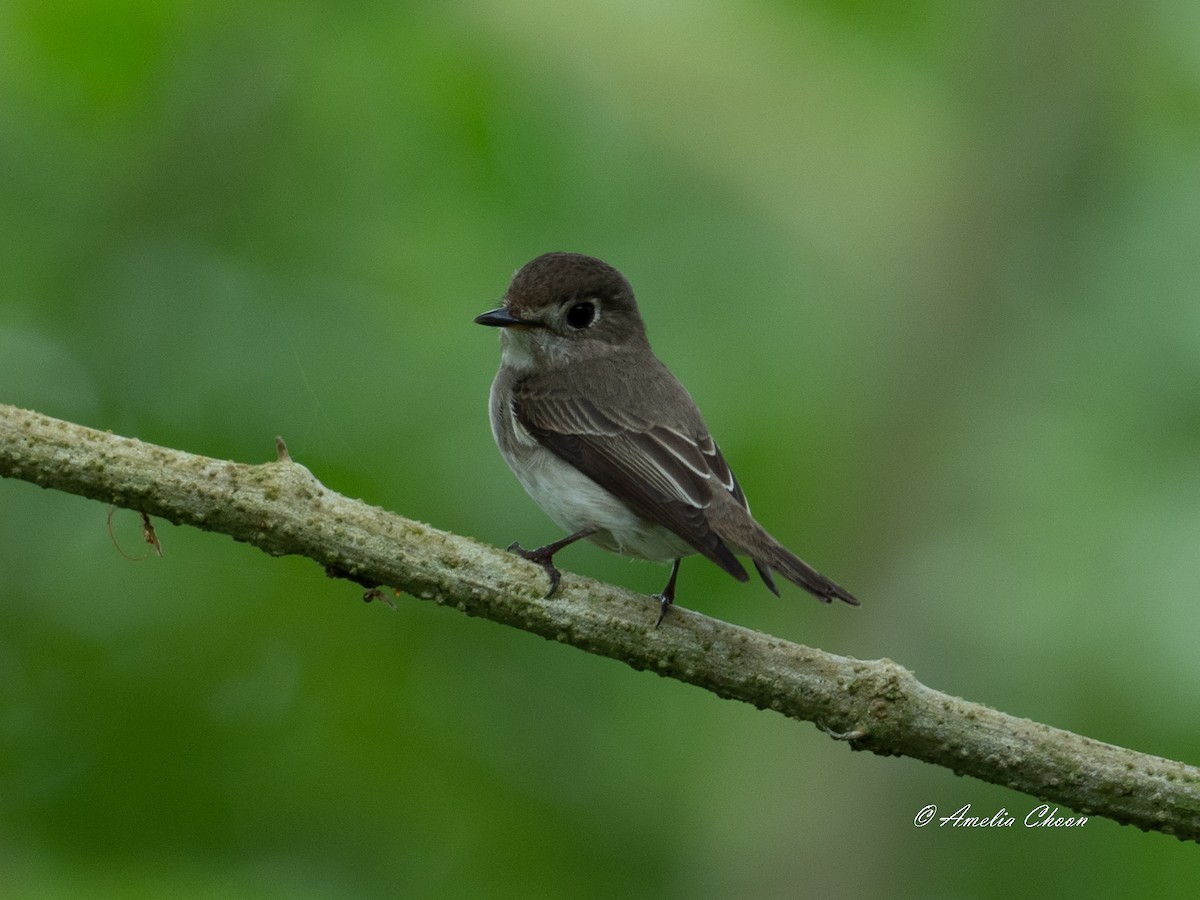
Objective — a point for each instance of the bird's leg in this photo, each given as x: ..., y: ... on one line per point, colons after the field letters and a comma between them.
x: 544, y: 556
x: 667, y: 597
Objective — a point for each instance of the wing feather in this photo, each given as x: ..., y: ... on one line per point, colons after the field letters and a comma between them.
x: 664, y: 474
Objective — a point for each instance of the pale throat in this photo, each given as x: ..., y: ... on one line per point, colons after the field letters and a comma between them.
x: 526, y: 349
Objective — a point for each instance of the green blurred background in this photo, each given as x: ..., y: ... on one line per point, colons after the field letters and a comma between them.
x: 930, y: 269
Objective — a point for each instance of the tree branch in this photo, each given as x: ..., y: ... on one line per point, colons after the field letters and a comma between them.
x: 873, y: 705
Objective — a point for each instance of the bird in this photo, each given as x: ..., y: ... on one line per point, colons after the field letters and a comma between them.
x: 608, y: 442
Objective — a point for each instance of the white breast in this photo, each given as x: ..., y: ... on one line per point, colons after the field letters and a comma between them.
x: 571, y: 499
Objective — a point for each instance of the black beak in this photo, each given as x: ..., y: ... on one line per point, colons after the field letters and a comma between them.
x: 500, y: 318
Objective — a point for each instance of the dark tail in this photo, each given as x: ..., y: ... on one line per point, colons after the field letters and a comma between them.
x: 797, y: 571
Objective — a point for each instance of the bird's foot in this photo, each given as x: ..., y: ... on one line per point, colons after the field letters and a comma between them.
x: 667, y: 597
x: 664, y: 604
x: 544, y: 557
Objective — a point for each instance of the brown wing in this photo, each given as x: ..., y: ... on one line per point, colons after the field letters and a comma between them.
x: 664, y: 474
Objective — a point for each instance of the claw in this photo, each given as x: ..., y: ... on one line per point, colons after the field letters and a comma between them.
x: 544, y: 556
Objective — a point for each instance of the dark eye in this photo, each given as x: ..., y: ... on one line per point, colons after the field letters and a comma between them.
x: 582, y: 314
